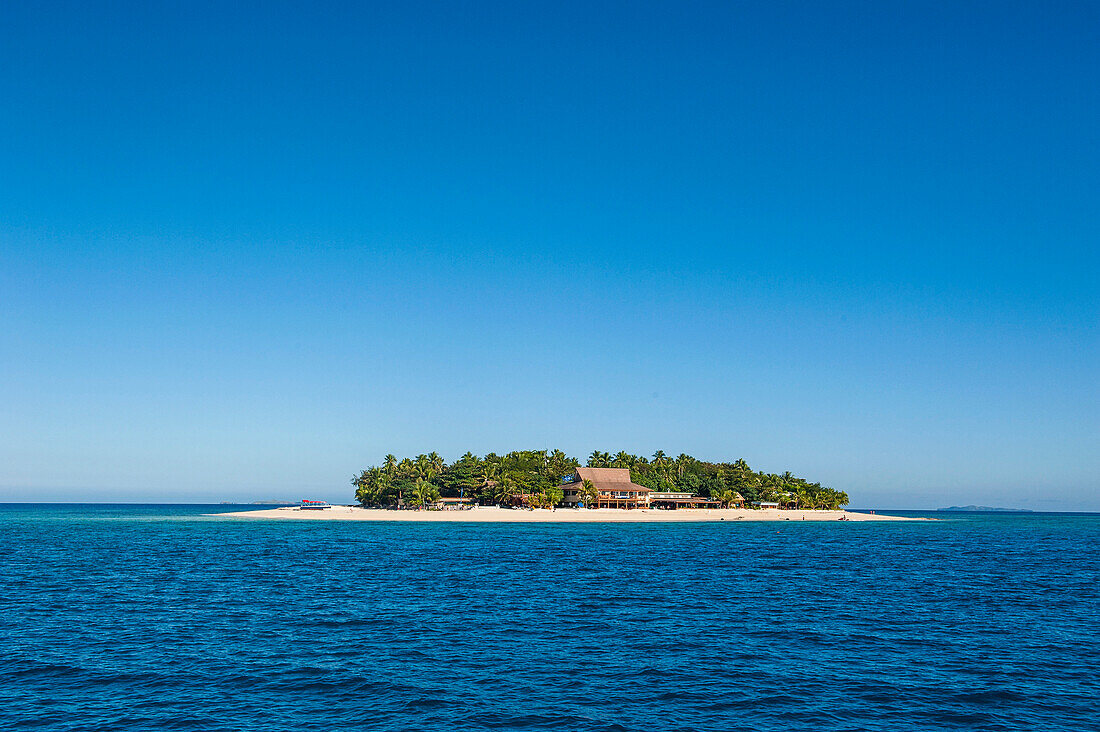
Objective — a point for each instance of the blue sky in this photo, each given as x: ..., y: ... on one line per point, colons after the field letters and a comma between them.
x: 246, y: 251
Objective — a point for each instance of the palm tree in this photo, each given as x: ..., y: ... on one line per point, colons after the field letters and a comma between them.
x: 589, y: 493
x: 622, y: 459
x: 559, y: 465
x: 489, y: 472
x: 364, y: 487
x: 390, y: 464
x: 372, y: 486
x: 660, y: 463
x: 505, y: 491
x: 425, y: 492
x: 682, y: 462
x: 385, y: 487
x: 436, y: 461
x: 554, y: 496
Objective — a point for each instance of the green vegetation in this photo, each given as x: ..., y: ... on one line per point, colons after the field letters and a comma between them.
x: 533, y: 477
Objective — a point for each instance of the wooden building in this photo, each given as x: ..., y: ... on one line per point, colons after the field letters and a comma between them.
x: 670, y: 500
x: 452, y: 503
x: 613, y: 487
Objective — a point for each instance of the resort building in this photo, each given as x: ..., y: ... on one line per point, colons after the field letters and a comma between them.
x: 453, y: 503
x: 682, y: 500
x: 613, y: 487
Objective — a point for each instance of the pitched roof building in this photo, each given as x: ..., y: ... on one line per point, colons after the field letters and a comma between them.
x: 678, y: 499
x: 614, y: 489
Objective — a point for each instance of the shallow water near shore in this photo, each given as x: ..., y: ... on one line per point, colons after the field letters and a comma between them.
x: 156, y: 617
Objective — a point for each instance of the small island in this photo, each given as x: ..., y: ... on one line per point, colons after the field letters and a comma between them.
x: 550, y: 478
x: 548, y: 485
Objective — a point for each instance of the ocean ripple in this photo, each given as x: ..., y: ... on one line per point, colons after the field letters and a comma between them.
x: 133, y: 618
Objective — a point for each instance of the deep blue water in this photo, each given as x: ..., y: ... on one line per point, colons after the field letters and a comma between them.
x: 154, y: 617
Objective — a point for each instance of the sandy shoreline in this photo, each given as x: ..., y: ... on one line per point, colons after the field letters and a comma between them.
x: 492, y: 514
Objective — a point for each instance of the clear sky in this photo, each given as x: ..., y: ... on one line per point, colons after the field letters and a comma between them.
x: 248, y: 249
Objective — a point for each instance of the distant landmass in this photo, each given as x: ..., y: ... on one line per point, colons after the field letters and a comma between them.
x: 273, y: 503
x: 985, y: 509
x: 259, y: 503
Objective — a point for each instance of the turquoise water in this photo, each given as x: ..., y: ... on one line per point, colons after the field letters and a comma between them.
x: 155, y: 617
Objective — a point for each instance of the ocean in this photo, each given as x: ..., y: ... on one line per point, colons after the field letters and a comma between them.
x: 136, y: 617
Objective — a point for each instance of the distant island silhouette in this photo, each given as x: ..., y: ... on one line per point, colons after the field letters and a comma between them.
x: 985, y: 509
x: 274, y: 502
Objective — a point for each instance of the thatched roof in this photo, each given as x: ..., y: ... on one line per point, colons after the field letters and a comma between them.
x: 615, y: 479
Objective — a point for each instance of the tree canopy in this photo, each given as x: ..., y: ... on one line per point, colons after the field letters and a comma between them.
x: 533, y: 477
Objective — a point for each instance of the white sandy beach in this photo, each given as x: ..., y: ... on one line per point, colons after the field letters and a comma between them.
x: 494, y: 514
